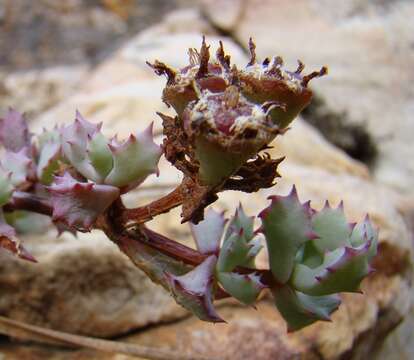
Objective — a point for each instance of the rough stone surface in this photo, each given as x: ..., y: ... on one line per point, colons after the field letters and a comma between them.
x: 124, y: 94
x: 38, y: 90
x: 82, y: 285
x: 45, y: 33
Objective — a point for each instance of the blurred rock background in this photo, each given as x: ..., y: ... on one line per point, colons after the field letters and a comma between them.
x: 354, y: 142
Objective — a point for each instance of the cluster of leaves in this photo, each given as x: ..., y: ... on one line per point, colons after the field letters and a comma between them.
x: 75, y: 168
x: 225, y: 118
x: 312, y: 255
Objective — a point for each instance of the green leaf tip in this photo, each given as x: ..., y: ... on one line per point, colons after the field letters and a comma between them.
x: 300, y: 310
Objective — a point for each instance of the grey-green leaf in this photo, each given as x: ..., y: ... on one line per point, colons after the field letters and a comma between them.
x: 300, y: 310
x: 195, y: 290
x: 134, y: 160
x: 331, y: 227
x: 100, y: 155
x: 207, y: 233
x: 245, y: 288
x: 286, y: 226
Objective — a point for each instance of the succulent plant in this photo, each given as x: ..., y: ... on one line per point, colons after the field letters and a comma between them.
x: 225, y: 118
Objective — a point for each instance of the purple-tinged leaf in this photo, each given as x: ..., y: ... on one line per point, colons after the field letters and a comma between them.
x: 19, y: 165
x: 78, y: 204
x: 207, y: 233
x: 75, y: 139
x: 14, y: 133
x: 286, y: 226
x: 134, y: 160
x: 364, y: 232
x: 342, y: 271
x: 300, y: 310
x: 90, y: 128
x: 195, y: 290
x: 244, y: 287
x: 9, y: 241
x: 48, y: 162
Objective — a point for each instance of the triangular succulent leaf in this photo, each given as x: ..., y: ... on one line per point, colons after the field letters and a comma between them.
x: 207, y: 233
x: 195, y: 290
x: 363, y: 232
x: 48, y: 162
x: 78, y: 204
x: 134, y: 160
x: 241, y: 221
x: 233, y: 253
x: 14, y: 133
x: 342, y: 271
x: 90, y: 128
x: 300, y: 310
x: 332, y: 228
x: 286, y: 226
x: 244, y: 287
x: 100, y: 155
x: 75, y: 139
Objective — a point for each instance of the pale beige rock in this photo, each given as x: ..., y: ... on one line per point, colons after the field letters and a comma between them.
x: 226, y: 14
x: 34, y: 91
x: 261, y: 334
x: 303, y: 144
x: 82, y: 285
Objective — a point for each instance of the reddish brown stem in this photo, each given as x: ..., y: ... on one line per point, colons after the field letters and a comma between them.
x: 30, y: 202
x: 193, y: 257
x: 172, y: 248
x: 26, y: 201
x: 140, y: 215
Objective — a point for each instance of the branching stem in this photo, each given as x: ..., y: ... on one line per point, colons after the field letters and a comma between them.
x: 117, y: 230
x: 29, y: 202
x: 133, y: 217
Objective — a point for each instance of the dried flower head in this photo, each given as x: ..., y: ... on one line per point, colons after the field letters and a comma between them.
x: 227, y: 115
